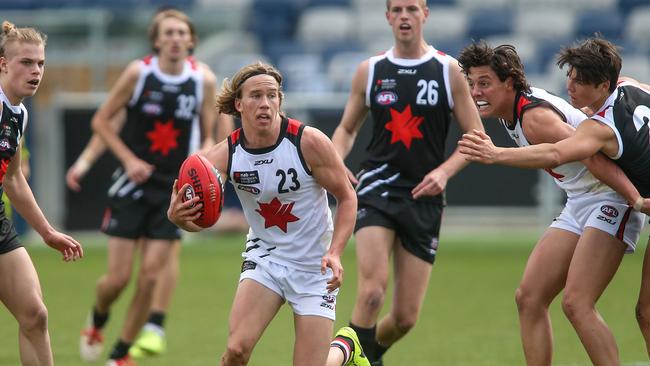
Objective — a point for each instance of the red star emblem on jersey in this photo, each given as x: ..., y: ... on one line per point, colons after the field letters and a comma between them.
x: 276, y: 213
x: 164, y: 137
x: 404, y: 126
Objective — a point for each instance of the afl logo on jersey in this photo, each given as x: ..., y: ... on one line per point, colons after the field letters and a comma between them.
x: 4, y: 145
x: 386, y: 98
x: 609, y: 211
x: 152, y: 109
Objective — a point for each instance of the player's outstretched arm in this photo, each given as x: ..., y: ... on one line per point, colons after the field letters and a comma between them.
x: 330, y: 172
x: 589, y: 138
x: 22, y: 199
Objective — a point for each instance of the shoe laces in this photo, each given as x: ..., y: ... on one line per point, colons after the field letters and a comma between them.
x: 94, y: 335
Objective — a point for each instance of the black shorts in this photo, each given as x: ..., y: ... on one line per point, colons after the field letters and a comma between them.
x: 416, y: 223
x: 8, y: 237
x: 140, y: 212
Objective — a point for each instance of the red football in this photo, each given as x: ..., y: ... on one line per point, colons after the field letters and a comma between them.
x: 205, y: 182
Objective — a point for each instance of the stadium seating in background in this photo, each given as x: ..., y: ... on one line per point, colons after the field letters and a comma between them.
x: 18, y: 4
x: 627, y: 6
x: 607, y: 22
x: 371, y: 25
x: 304, y: 73
x: 341, y: 68
x: 321, y: 26
x: 544, y: 24
x: 477, y: 5
x: 444, y: 22
x: 637, y: 30
x: 489, y: 22
x: 636, y: 66
x: 229, y: 63
x: 270, y: 19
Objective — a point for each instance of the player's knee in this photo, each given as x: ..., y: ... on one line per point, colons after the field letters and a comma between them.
x: 115, y: 281
x: 373, y: 298
x: 642, y: 311
x: 404, y: 323
x: 33, y: 318
x: 237, y: 353
x: 147, y: 279
x: 526, y: 301
x: 574, y: 307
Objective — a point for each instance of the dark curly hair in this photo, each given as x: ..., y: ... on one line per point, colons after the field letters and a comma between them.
x: 595, y: 61
x: 503, y: 60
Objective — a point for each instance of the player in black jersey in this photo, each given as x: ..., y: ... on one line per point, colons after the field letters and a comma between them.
x: 618, y: 127
x: 169, y: 99
x: 152, y: 340
x: 579, y: 237
x: 22, y: 62
x: 411, y: 91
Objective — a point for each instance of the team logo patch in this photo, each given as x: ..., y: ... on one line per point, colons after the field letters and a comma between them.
x: 609, y: 211
x: 249, y: 189
x: 329, y: 302
x: 386, y: 98
x: 250, y: 177
x: 152, y: 109
x: 4, y: 145
x: 248, y: 265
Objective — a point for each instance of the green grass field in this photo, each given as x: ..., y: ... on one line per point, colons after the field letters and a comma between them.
x: 469, y: 315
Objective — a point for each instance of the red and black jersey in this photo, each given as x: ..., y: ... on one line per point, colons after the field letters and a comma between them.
x: 627, y: 113
x: 410, y: 102
x: 163, y: 116
x: 12, y: 125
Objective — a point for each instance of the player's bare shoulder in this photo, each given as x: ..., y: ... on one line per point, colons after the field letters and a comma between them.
x: 218, y: 156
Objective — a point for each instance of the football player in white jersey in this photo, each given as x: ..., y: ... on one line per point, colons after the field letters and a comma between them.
x: 22, y: 62
x: 583, y: 247
x: 281, y: 170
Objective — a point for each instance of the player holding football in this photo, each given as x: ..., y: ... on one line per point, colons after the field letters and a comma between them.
x: 282, y: 171
x: 169, y: 98
x: 22, y: 63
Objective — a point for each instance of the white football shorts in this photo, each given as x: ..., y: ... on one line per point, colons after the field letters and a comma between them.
x: 306, y: 292
x: 606, y: 211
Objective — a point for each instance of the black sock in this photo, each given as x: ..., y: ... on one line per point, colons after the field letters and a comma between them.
x: 99, y: 319
x: 367, y: 340
x: 120, y: 350
x: 380, y: 350
x: 157, y: 318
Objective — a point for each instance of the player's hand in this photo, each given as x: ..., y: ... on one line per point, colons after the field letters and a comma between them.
x: 138, y: 170
x: 646, y: 206
x: 353, y: 179
x: 67, y: 245
x: 334, y: 263
x: 432, y: 184
x: 477, y: 146
x: 183, y: 213
x: 73, y: 178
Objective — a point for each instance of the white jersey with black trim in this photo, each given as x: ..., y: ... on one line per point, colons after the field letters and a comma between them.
x: 287, y: 210
x: 574, y: 178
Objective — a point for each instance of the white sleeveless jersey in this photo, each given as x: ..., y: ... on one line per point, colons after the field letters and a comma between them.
x: 290, y: 220
x: 574, y: 178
